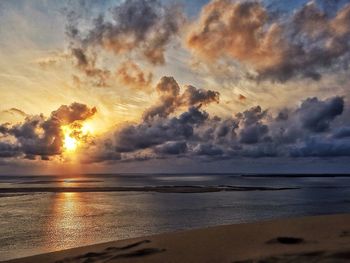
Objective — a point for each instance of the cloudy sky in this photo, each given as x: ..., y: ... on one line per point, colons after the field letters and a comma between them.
x: 166, y: 86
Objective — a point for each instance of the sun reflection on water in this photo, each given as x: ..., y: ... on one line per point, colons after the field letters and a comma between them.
x: 67, y: 228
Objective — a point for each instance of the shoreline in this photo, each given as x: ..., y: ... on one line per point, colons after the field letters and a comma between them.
x: 301, y: 239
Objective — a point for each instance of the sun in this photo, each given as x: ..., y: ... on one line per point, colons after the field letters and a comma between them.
x: 69, y: 142
x: 76, y: 135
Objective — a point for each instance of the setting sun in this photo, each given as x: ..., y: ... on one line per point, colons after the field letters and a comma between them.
x: 75, y: 135
x: 70, y: 143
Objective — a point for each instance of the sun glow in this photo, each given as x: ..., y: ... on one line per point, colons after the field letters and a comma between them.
x: 69, y: 142
x: 86, y: 128
x: 75, y: 135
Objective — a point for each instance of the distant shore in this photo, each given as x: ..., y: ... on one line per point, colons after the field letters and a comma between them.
x: 316, y: 239
x: 113, y: 175
x: 159, y: 189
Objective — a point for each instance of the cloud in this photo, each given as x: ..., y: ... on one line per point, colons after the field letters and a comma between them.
x: 194, y: 96
x: 172, y: 148
x: 253, y: 133
x: 207, y: 149
x: 88, y: 65
x: 342, y: 132
x: 308, y: 130
x: 144, y: 27
x: 8, y: 150
x: 252, y: 128
x: 305, y: 43
x: 15, y: 111
x: 100, y: 151
x: 317, y: 115
x: 53, y: 59
x: 178, y: 126
x: 158, y: 131
x: 320, y: 147
x: 170, y: 98
x: 251, y: 116
x: 40, y: 136
x: 168, y: 91
x: 227, y: 27
x: 242, y: 98
x: 74, y: 112
x: 131, y: 75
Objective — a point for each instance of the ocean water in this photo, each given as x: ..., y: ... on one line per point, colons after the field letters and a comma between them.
x: 39, y: 222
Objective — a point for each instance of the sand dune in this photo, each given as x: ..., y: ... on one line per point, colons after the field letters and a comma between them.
x: 309, y: 239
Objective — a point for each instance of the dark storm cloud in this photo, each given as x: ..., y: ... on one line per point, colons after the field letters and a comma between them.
x: 252, y: 128
x: 309, y: 130
x: 101, y: 151
x: 314, y: 116
x: 40, y: 136
x: 321, y: 147
x: 194, y: 96
x: 144, y: 27
x: 168, y: 91
x: 174, y: 148
x: 317, y: 115
x: 8, y: 150
x: 207, y: 149
x: 283, y: 115
x: 253, y: 133
x: 278, y: 47
x: 342, y: 132
x: 159, y: 131
x: 170, y: 98
x: 252, y: 116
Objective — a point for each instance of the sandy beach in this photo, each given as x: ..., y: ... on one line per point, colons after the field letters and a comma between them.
x: 308, y: 239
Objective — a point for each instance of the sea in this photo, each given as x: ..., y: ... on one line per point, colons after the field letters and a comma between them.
x: 34, y: 220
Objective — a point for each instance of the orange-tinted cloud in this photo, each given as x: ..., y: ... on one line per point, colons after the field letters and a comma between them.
x: 130, y: 74
x: 52, y: 60
x: 241, y: 97
x: 228, y: 27
x: 246, y: 32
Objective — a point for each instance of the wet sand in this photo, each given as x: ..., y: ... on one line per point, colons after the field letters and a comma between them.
x: 308, y: 239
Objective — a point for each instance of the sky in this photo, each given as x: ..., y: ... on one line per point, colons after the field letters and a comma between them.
x: 174, y: 86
